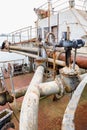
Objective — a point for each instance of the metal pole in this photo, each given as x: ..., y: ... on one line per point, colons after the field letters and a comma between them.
x: 57, y: 27
x: 12, y: 85
x: 49, y: 15
x: 20, y: 36
x: 30, y: 32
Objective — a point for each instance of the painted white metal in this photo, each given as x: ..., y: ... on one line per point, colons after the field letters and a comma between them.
x: 58, y: 62
x: 52, y: 87
x: 68, y: 118
x: 47, y: 88
x: 27, y: 49
x: 29, y: 109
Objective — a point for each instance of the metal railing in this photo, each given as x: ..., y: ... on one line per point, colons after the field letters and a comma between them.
x: 23, y: 34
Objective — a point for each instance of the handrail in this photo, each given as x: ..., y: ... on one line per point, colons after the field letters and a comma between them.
x: 18, y: 30
x: 23, y: 34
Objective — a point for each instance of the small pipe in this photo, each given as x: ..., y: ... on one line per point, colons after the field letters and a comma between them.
x: 20, y: 92
x: 58, y: 62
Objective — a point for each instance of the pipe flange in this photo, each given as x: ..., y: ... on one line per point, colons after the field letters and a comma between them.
x: 41, y: 62
x: 60, y: 86
x: 69, y: 71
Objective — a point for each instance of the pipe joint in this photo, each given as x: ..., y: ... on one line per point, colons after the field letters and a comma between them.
x: 41, y: 62
x: 70, y: 78
x: 60, y: 86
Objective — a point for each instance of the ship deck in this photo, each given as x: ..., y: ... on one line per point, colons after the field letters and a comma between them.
x: 50, y: 112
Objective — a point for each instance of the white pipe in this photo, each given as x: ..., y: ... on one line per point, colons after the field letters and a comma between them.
x: 58, y: 62
x: 45, y: 89
x: 29, y: 109
x: 68, y: 118
x: 52, y: 87
x: 27, y: 49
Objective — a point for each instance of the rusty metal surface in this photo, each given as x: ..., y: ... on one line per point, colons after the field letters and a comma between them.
x: 70, y: 78
x: 81, y: 61
x: 46, y: 107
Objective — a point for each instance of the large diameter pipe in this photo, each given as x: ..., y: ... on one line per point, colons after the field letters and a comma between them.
x: 81, y: 61
x: 68, y: 118
x: 29, y: 109
x: 20, y: 92
x: 26, y: 49
x: 45, y: 89
x: 52, y: 87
